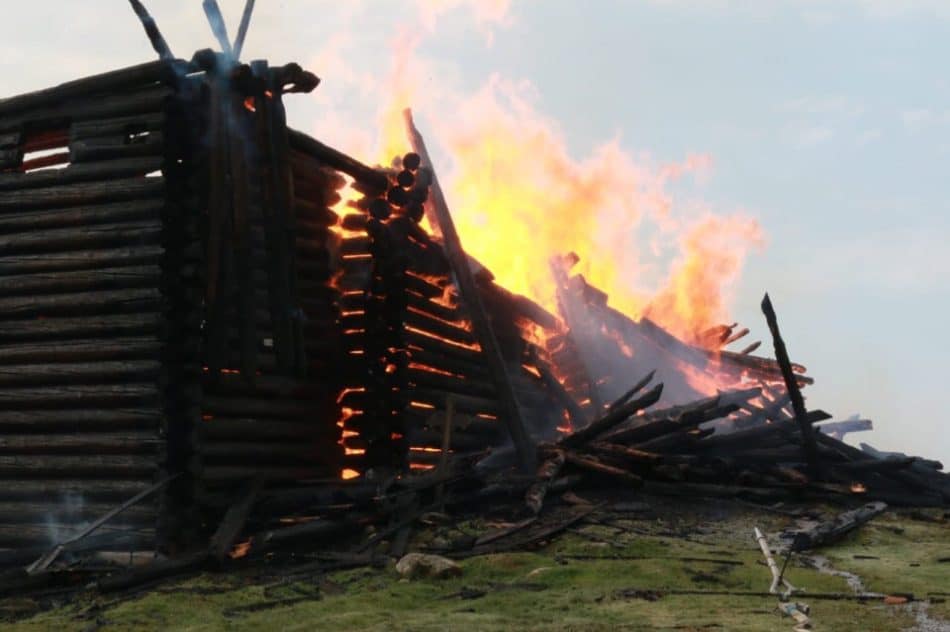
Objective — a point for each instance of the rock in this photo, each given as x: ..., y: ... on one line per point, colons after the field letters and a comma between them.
x: 424, y: 565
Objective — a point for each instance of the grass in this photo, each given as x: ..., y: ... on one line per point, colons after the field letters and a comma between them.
x: 577, y: 582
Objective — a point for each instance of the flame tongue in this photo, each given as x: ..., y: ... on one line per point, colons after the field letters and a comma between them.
x: 519, y: 197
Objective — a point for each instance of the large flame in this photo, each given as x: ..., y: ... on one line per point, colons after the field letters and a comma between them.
x: 519, y: 196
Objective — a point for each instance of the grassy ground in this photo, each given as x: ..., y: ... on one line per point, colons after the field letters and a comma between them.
x: 605, y: 576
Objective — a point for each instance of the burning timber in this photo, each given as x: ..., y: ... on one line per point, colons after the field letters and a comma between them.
x: 190, y: 317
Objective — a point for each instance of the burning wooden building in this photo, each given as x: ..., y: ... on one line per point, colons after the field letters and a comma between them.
x: 188, y: 308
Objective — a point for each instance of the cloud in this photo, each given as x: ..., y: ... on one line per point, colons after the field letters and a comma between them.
x: 836, y: 105
x: 807, y: 135
x: 921, y: 119
x: 909, y: 259
x: 869, y: 136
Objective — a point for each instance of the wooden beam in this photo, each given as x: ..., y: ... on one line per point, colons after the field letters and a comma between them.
x: 242, y: 29
x: 791, y: 383
x: 470, y: 296
x: 151, y: 29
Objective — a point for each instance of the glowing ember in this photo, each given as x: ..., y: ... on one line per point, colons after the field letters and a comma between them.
x: 240, y: 550
x: 858, y: 488
x: 347, y: 474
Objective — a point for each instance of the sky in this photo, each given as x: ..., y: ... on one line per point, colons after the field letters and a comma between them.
x: 825, y: 124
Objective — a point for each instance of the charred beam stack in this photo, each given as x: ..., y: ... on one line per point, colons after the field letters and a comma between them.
x: 258, y: 401
x: 410, y: 343
x: 677, y: 450
x: 604, y: 346
x: 87, y: 170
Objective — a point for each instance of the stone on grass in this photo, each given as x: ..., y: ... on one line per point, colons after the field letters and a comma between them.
x: 424, y: 565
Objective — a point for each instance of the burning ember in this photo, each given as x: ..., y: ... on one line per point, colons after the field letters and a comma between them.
x: 240, y: 549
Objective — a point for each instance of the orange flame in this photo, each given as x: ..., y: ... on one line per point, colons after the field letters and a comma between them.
x: 519, y: 197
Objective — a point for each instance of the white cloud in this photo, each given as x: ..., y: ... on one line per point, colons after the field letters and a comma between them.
x: 909, y: 259
x: 807, y: 135
x: 921, y: 119
x: 869, y: 136
x: 837, y: 105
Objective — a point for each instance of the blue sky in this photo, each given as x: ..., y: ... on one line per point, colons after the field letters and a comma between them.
x: 829, y: 122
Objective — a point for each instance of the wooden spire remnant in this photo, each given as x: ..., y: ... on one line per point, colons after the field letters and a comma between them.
x: 791, y: 383
x: 468, y: 292
x: 151, y: 29
x: 220, y: 30
x: 242, y: 29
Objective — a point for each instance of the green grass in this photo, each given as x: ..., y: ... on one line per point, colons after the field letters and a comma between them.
x: 570, y: 584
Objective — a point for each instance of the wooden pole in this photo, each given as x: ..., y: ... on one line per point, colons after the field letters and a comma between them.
x: 446, y: 446
x: 798, y: 402
x: 151, y: 29
x: 242, y: 29
x: 468, y: 291
x: 216, y: 20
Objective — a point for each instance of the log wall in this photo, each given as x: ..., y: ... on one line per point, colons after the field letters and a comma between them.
x: 84, y: 303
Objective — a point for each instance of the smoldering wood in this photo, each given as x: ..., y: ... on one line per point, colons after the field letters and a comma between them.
x: 87, y: 396
x: 636, y: 388
x: 438, y: 381
x: 841, y: 428
x: 56, y: 510
x: 113, y: 190
x: 603, y: 424
x: 151, y: 31
x: 921, y: 465
x: 593, y: 465
x: 216, y: 21
x: 30, y: 221
x: 752, y: 347
x: 145, y: 232
x: 92, y: 302
x: 78, y: 173
x: 561, y: 395
x: 128, y: 442
x: 20, y: 331
x: 104, y: 149
x: 547, y: 472
x: 229, y: 474
x: 81, y: 281
x: 123, y: 126
x: 82, y: 350
x: 440, y: 328
x: 829, y: 531
x: 83, y: 419
x: 234, y: 520
x: 242, y: 29
x: 156, y: 570
x: 798, y: 402
x: 468, y: 291
x: 133, y: 76
x: 376, y: 180
x: 90, y: 466
x: 272, y: 452
x: 252, y: 429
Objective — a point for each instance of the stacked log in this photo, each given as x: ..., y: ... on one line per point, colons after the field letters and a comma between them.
x: 84, y: 302
x: 262, y: 406
x: 409, y: 343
